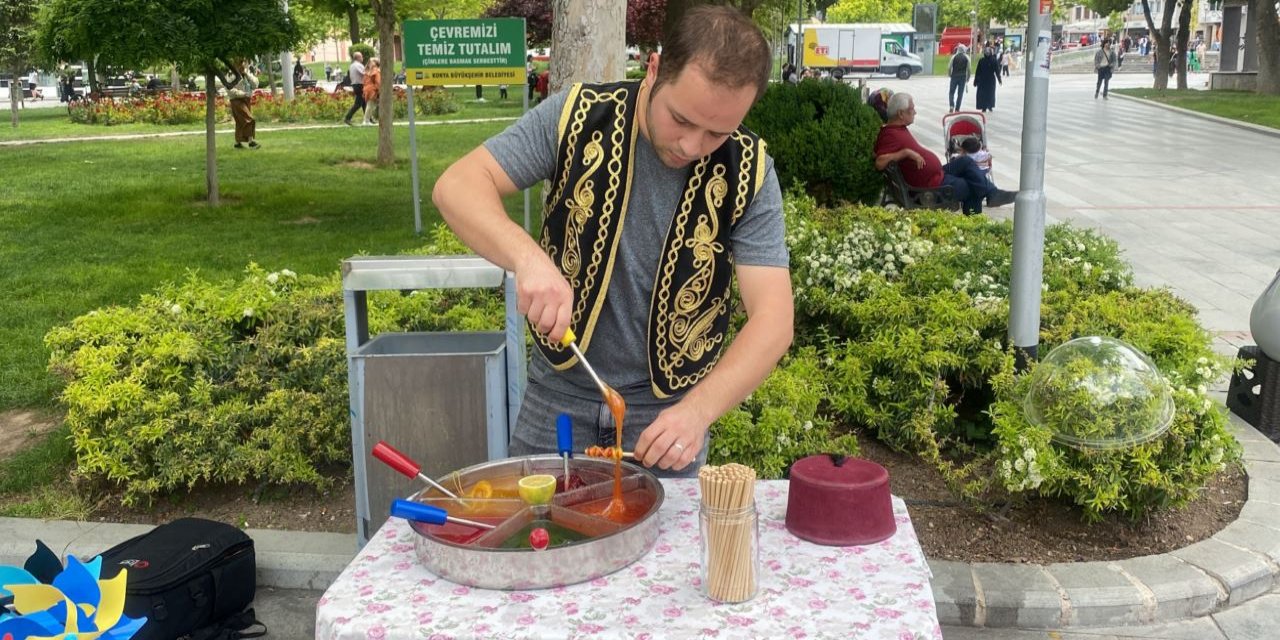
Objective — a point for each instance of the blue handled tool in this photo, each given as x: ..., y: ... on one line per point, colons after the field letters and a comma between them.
x: 564, y: 440
x: 430, y: 514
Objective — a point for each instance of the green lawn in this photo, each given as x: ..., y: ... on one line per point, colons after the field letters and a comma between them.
x: 90, y: 224
x: 42, y: 123
x: 1236, y: 105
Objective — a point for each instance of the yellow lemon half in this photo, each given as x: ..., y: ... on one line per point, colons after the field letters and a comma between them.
x: 537, y: 489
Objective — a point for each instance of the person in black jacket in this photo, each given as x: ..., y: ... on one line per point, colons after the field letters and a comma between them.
x: 985, y: 78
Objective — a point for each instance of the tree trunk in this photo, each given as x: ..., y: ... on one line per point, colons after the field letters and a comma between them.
x: 384, y: 14
x: 1184, y: 37
x: 271, y: 77
x: 92, y: 75
x: 353, y: 23
x: 586, y: 41
x: 14, y: 92
x: 1268, y: 47
x: 210, y: 138
x: 1161, y: 38
x: 175, y: 81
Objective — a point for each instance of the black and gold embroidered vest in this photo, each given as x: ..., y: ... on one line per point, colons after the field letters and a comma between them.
x: 586, y: 207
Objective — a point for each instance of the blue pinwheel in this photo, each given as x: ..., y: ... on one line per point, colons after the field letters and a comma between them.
x: 77, y: 605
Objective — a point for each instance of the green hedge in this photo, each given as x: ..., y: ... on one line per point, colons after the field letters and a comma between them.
x: 909, y: 311
x: 820, y: 134
x: 232, y: 381
x: 900, y: 333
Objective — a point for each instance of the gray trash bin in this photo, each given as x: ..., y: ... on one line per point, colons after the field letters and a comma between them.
x: 440, y: 398
x: 447, y: 400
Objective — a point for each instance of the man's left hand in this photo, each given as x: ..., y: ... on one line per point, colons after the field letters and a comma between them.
x: 673, y: 440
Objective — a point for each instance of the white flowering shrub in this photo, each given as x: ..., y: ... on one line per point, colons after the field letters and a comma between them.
x: 908, y: 312
x: 230, y: 381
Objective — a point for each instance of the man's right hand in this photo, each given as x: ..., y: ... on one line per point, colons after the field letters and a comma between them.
x: 543, y: 295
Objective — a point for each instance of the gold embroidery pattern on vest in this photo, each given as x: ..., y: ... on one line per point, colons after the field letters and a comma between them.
x: 744, y: 174
x: 688, y: 329
x: 682, y: 335
x: 581, y: 206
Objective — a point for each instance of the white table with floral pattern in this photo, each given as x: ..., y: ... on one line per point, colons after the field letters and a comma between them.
x: 806, y: 590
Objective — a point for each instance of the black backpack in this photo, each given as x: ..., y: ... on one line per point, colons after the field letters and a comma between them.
x: 190, y: 576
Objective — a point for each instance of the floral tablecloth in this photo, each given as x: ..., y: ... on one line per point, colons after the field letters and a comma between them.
x: 806, y: 590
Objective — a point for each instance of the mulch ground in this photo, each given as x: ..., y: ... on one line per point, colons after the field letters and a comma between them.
x: 1047, y: 531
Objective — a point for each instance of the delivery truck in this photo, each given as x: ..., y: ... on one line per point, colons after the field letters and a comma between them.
x: 845, y: 49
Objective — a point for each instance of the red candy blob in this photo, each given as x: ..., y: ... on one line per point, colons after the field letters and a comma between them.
x: 539, y: 538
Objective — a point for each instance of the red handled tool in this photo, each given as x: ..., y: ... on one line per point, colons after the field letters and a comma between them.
x: 403, y: 464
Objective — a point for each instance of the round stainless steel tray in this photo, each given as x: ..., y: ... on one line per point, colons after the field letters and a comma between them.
x: 481, y: 562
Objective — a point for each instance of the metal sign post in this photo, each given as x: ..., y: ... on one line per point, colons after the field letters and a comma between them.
x: 1028, y: 213
x: 460, y: 52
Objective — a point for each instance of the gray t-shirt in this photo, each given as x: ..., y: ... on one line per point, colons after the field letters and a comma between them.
x: 526, y: 151
x: 357, y: 72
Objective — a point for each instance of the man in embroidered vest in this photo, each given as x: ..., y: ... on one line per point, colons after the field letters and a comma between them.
x: 657, y: 199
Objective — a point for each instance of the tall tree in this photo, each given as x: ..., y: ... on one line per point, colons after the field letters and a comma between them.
x: 441, y: 9
x: 205, y: 36
x: 871, y: 11
x: 1184, y: 36
x: 1104, y: 7
x: 677, y: 8
x: 1268, y: 46
x: 384, y: 14
x: 17, y: 45
x: 351, y: 10
x: 644, y: 22
x: 1161, y: 37
x: 537, y: 18
x: 584, y: 42
x: 1008, y: 12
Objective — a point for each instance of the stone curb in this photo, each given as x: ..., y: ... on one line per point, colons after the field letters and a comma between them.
x: 1236, y: 564
x: 286, y: 559
x: 1256, y: 128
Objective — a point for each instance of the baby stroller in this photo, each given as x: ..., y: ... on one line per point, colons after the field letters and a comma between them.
x: 967, y: 129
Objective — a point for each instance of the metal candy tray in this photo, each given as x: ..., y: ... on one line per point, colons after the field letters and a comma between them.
x: 480, y: 559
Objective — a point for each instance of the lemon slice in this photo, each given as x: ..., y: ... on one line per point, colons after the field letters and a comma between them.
x: 481, y: 490
x: 537, y: 489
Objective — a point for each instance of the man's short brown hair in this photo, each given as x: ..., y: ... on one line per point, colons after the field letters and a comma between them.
x: 724, y: 42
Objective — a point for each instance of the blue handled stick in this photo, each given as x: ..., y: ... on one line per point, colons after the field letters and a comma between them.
x: 564, y: 440
x: 430, y: 514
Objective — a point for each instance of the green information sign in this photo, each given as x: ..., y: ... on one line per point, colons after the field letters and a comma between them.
x: 440, y: 52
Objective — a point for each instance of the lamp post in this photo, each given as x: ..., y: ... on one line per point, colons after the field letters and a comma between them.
x: 973, y: 35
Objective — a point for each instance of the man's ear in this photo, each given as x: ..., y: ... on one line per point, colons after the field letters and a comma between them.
x: 651, y: 74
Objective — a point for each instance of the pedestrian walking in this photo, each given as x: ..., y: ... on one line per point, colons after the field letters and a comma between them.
x: 356, y: 75
x: 372, y: 83
x: 1104, y: 63
x: 1005, y: 59
x: 959, y: 72
x: 530, y: 74
x: 985, y: 78
x: 240, y: 94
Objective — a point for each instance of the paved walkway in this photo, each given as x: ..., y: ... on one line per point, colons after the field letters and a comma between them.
x: 1195, y: 204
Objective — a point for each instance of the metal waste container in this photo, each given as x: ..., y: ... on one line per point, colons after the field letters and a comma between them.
x: 446, y: 399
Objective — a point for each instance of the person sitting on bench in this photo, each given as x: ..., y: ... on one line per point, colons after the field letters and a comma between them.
x: 922, y: 169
